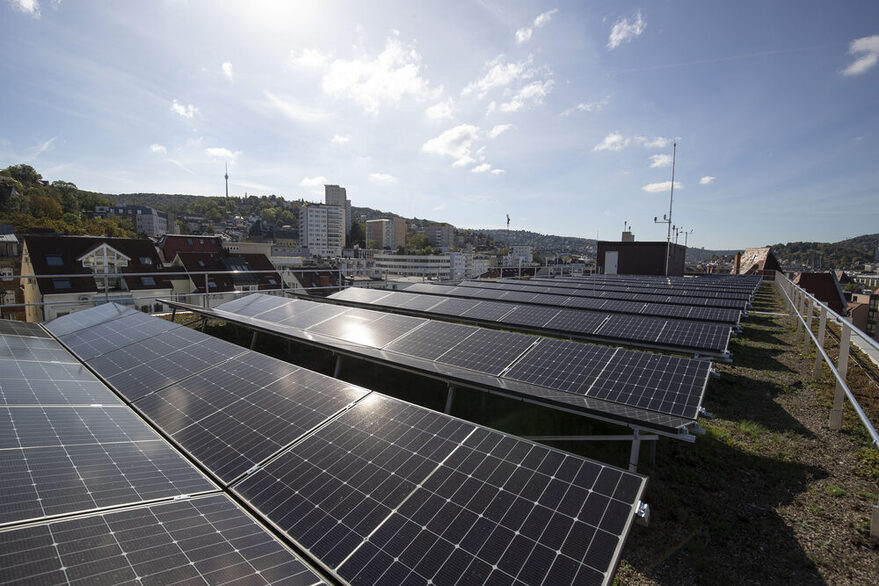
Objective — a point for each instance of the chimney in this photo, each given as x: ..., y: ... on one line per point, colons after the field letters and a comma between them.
x: 737, y: 264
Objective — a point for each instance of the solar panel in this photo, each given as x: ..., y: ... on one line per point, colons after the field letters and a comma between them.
x: 10, y: 327
x: 235, y: 415
x: 393, y: 493
x: 250, y: 305
x: 36, y: 349
x: 488, y: 311
x: 557, y: 364
x: 79, y: 320
x: 576, y: 321
x: 371, y: 328
x: 34, y: 383
x: 431, y: 340
x: 361, y: 295
x: 487, y: 351
x: 633, y: 328
x: 205, y: 540
x: 453, y: 306
x: 530, y: 315
x: 105, y: 337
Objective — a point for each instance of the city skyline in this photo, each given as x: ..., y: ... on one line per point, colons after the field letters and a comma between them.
x: 561, y: 115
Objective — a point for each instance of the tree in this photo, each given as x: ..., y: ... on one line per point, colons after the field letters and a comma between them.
x: 26, y: 174
x: 269, y: 215
x: 42, y: 206
x: 286, y: 218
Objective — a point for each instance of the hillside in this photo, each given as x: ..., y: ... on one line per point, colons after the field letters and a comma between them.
x: 843, y: 254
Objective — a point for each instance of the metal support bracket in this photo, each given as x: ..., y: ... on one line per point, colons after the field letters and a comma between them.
x: 642, y: 514
x: 450, y: 396
x: 253, y: 340
x: 338, y: 368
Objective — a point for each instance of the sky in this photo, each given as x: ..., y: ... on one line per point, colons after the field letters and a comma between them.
x: 561, y: 114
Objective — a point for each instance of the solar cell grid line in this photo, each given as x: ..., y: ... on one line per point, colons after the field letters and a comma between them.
x: 206, y: 540
x: 560, y: 365
x: 33, y: 349
x: 230, y: 418
x: 393, y: 493
x: 643, y: 281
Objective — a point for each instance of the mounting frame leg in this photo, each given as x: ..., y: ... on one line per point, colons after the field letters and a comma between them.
x: 173, y: 314
x: 253, y: 340
x: 450, y: 396
x: 338, y: 368
x: 636, y: 451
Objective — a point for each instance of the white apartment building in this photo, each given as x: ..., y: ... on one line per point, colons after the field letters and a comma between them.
x: 322, y: 230
x: 521, y: 253
x: 465, y: 265
x: 414, y: 265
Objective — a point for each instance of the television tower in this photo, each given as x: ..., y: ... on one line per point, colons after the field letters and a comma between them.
x: 227, y: 180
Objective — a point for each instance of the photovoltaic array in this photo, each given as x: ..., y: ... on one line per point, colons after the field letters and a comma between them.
x: 634, y: 330
x: 668, y: 400
x: 524, y: 294
x: 369, y: 488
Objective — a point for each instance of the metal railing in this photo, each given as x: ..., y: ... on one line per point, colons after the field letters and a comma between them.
x: 803, y: 308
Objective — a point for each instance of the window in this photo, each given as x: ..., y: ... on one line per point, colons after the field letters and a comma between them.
x: 189, y: 241
x: 272, y: 282
x: 54, y: 260
x: 212, y: 285
x: 201, y: 263
x: 148, y: 281
x: 7, y: 271
x: 145, y: 260
x: 61, y: 283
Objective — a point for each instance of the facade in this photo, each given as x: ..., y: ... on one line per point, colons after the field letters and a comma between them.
x: 640, y: 258
x: 322, y: 230
x: 864, y: 310
x: 756, y: 261
x: 72, y: 270
x: 338, y: 196
x: 147, y: 221
x: 212, y: 273
x: 521, y: 254
x: 465, y: 265
x: 10, y: 264
x: 248, y: 248
x: 430, y: 266
x: 870, y: 281
x: 440, y: 235
x: 386, y: 233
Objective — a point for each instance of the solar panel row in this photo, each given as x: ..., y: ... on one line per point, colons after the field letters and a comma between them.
x: 484, y: 352
x: 694, y: 337
x: 641, y: 288
x: 527, y: 287
x: 496, y: 291
x: 741, y: 283
x: 381, y: 491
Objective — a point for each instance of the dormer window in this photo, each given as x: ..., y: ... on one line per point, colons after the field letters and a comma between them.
x: 61, y: 284
x: 54, y: 260
x: 148, y: 281
x: 201, y: 263
x: 146, y: 261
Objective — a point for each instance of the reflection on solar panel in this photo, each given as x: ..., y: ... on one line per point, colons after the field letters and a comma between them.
x: 393, y: 493
x: 482, y: 361
x: 700, y: 338
x: 21, y: 328
x: 206, y: 541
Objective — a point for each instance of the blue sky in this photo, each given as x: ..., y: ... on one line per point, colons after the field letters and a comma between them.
x: 560, y: 114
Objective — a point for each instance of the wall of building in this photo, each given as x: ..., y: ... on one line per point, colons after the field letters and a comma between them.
x: 643, y: 258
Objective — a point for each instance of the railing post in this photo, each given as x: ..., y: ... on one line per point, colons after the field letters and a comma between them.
x: 822, y: 328
x: 842, y: 368
x: 205, y: 301
x: 797, y: 313
x: 808, y: 325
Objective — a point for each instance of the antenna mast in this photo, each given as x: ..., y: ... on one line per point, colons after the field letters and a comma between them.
x: 670, y: 203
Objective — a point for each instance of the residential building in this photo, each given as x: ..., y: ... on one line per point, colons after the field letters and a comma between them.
x: 77, y: 272
x: 322, y: 230
x: 248, y: 248
x: 440, y: 235
x: 170, y: 245
x: 338, y: 196
x: 521, y: 254
x: 147, y: 221
x: 868, y: 280
x: 386, y: 233
x: 10, y: 264
x: 212, y: 273
x: 427, y: 266
x: 864, y: 310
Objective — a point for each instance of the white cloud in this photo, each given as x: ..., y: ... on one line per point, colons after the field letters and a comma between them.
x: 500, y: 74
x: 441, y: 110
x: 660, y: 161
x: 455, y: 143
x: 308, y: 58
x: 524, y: 34
x: 294, y: 111
x: 497, y: 171
x: 661, y: 186
x: 624, y: 31
x: 657, y: 142
x: 499, y: 130
x: 530, y: 95
x: 222, y: 153
x: 868, y: 49
x: 158, y: 148
x: 393, y: 74
x: 482, y: 168
x: 586, y: 107
x: 612, y: 142
x: 227, y: 70
x: 340, y: 138
x: 187, y: 111
x: 382, y: 178
x: 313, y: 181
x: 707, y: 180
x: 31, y: 7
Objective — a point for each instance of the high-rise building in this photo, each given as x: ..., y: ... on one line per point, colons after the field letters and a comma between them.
x: 386, y: 233
x: 338, y: 196
x: 440, y: 235
x: 322, y: 229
